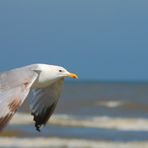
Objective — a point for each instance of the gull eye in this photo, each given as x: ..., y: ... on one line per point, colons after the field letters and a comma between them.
x: 60, y: 70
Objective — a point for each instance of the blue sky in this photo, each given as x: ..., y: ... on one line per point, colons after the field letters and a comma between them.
x: 97, y: 39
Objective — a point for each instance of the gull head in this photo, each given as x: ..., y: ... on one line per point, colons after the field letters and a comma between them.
x: 61, y: 72
x: 51, y: 73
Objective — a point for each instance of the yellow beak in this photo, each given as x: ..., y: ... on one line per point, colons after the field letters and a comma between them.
x: 72, y: 75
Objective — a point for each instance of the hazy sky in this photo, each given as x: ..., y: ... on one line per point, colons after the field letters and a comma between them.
x: 97, y: 39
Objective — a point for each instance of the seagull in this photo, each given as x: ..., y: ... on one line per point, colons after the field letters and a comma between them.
x: 41, y: 83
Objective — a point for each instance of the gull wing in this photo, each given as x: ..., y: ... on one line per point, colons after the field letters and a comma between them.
x: 14, y: 88
x: 43, y: 102
x: 16, y: 77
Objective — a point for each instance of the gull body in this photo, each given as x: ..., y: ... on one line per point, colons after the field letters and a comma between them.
x: 42, y: 83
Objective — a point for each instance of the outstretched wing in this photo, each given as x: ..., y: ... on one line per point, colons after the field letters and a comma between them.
x: 14, y: 88
x: 43, y: 102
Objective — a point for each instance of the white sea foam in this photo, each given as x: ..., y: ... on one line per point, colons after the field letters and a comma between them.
x: 67, y: 143
x: 91, y: 122
x: 110, y: 104
x: 74, y: 121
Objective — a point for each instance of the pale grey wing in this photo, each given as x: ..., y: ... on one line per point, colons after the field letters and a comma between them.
x: 12, y: 97
x: 15, y: 77
x: 43, y: 102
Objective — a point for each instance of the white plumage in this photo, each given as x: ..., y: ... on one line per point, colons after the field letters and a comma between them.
x: 42, y: 82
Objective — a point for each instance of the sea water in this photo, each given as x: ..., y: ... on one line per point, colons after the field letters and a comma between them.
x: 108, y: 111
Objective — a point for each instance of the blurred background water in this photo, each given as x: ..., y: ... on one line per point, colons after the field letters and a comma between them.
x: 86, y: 101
